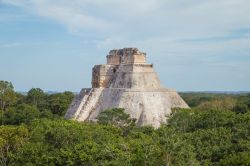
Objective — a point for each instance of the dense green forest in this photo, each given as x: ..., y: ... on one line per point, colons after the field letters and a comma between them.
x: 215, y: 131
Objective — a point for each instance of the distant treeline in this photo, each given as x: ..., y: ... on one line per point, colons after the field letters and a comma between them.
x: 215, y: 131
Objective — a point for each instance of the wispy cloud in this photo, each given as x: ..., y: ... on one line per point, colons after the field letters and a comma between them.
x: 179, y: 18
x: 69, y: 14
x: 10, y: 45
x: 158, y: 22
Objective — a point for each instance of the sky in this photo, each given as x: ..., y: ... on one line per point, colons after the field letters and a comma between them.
x: 195, y: 45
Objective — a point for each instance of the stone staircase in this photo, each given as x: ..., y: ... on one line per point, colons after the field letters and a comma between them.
x: 77, y: 104
x: 89, y: 105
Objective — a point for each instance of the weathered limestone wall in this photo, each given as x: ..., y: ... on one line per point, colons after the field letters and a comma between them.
x: 148, y: 107
x: 126, y: 56
x: 113, y: 59
x: 135, y: 76
x: 101, y: 75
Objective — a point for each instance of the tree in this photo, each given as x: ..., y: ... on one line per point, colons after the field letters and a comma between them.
x: 240, y: 158
x: 211, y: 145
x: 12, y: 138
x: 59, y: 103
x: 23, y: 113
x: 240, y: 108
x: 116, y: 117
x: 144, y: 150
x: 7, y: 94
x: 176, y: 148
x: 213, y: 119
x: 181, y: 119
x: 37, y: 97
x: 226, y: 103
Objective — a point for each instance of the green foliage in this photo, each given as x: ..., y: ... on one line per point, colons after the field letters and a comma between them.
x: 241, y: 108
x: 116, y: 117
x: 239, y: 103
x: 176, y: 148
x: 216, y: 131
x: 21, y: 114
x: 37, y: 97
x: 7, y: 94
x: 17, y: 108
x: 12, y: 139
x: 223, y: 104
x: 59, y: 103
x: 181, y: 119
x: 195, y: 99
x: 191, y: 120
x: 144, y: 150
x: 240, y: 158
x: 63, y: 142
x: 211, y: 144
x: 213, y: 119
x: 46, y: 113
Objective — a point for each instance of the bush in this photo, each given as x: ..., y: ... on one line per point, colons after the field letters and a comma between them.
x: 115, y: 117
x: 21, y: 114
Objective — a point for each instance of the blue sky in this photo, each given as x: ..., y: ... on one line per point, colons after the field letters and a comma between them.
x: 194, y: 45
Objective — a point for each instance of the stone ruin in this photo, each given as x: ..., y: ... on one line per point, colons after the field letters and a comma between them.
x: 126, y: 81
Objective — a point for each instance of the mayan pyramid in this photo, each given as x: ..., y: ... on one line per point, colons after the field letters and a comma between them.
x: 126, y: 81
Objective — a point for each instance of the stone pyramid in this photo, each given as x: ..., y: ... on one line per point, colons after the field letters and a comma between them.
x: 128, y: 82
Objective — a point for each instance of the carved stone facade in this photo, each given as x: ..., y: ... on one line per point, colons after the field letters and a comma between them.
x: 126, y: 56
x: 128, y: 82
x: 102, y: 74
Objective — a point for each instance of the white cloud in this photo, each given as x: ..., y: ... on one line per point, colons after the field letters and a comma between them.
x: 179, y: 18
x: 10, y: 45
x: 181, y: 28
x: 69, y: 14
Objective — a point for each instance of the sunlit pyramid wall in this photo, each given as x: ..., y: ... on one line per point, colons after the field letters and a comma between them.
x: 126, y: 81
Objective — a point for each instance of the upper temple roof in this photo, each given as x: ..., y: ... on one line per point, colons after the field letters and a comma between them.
x: 125, y: 51
x: 126, y: 56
